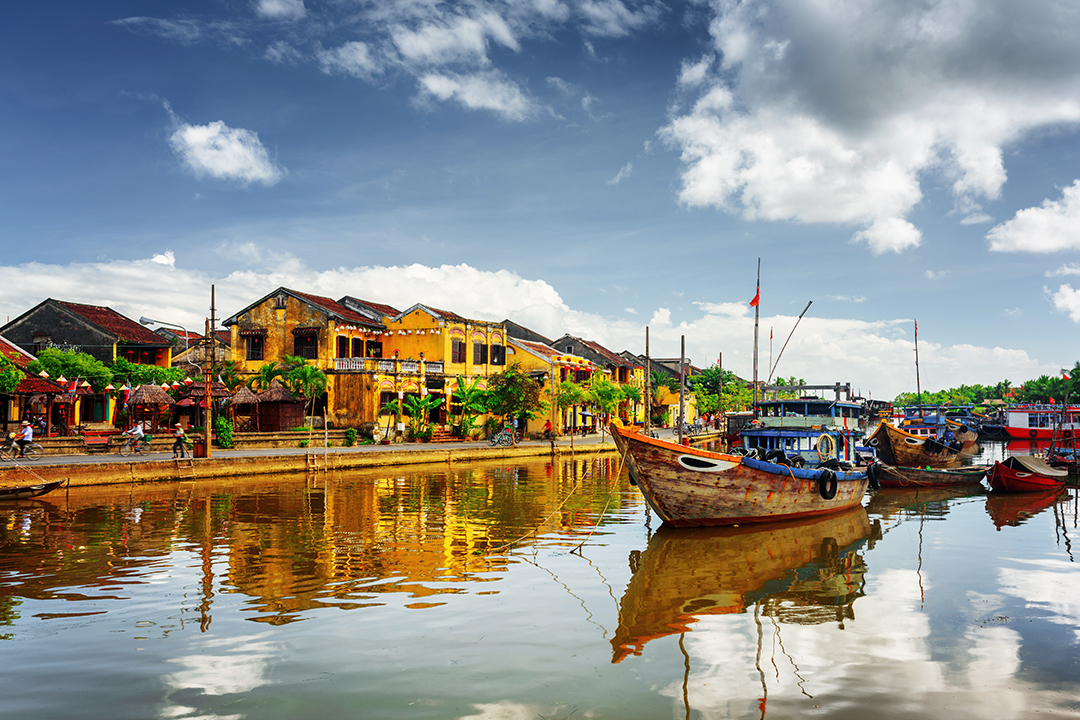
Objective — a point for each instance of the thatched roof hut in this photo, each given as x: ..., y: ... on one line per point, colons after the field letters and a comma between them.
x: 150, y: 394
x: 197, y: 390
x: 244, y: 396
x: 277, y: 393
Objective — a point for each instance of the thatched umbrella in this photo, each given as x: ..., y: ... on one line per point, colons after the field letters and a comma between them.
x: 245, y: 397
x: 149, y: 396
x: 277, y: 393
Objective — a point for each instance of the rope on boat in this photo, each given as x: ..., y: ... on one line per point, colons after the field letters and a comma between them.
x: 542, y: 522
x: 611, y: 485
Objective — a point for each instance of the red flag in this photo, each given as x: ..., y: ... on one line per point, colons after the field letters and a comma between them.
x: 916, y: 327
x: 1065, y: 376
x: 757, y: 296
x: 770, y: 332
x: 1051, y: 401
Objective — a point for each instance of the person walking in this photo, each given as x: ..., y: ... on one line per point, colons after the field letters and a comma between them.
x: 178, y: 444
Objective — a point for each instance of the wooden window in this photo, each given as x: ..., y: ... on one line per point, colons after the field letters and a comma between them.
x: 357, y: 347
x: 498, y: 355
x: 374, y: 348
x: 306, y: 345
x: 457, y: 351
x: 342, y: 346
x: 479, y: 353
x: 254, y: 347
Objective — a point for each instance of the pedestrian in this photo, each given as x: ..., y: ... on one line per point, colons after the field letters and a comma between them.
x: 178, y: 444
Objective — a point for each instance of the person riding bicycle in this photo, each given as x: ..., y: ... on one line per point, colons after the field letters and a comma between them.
x: 26, y: 436
x: 136, y: 432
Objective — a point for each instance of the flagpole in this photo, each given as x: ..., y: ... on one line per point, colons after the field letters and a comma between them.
x: 918, y: 385
x: 757, y: 300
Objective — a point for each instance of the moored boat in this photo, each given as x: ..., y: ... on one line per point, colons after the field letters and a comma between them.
x: 808, y: 430
x: 892, y: 476
x: 24, y: 492
x: 1042, y: 422
x: 688, y: 486
x: 1024, y: 473
x: 899, y: 448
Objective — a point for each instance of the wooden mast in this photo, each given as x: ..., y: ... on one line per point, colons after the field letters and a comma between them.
x: 918, y: 385
x: 755, y: 303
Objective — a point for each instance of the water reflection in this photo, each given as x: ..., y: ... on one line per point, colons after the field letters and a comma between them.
x: 1017, y: 508
x: 297, y: 544
x: 802, y: 572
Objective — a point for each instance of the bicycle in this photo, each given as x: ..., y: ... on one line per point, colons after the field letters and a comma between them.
x: 10, y: 449
x: 504, y: 437
x: 137, y: 446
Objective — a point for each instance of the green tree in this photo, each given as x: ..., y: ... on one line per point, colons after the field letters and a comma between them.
x: 419, y: 411
x: 72, y: 366
x: 604, y: 396
x: 268, y: 372
x: 10, y: 376
x: 307, y: 381
x: 512, y: 393
x: 470, y: 401
x: 569, y: 395
x: 134, y: 374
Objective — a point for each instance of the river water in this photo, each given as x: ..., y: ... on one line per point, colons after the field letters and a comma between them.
x: 530, y: 590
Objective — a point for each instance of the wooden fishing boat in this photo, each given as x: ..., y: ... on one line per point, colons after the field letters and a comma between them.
x: 1014, y: 508
x: 893, y: 476
x: 898, y: 448
x: 23, y: 492
x: 1024, y: 473
x: 809, y: 569
x: 689, y: 486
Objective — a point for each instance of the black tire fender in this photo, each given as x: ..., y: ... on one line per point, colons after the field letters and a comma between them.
x: 873, y: 474
x: 1033, y: 433
x: 827, y: 484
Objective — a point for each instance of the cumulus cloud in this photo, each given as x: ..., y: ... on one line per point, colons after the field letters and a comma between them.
x: 874, y: 356
x: 1067, y: 300
x: 223, y: 152
x: 1066, y: 269
x: 624, y: 172
x: 1053, y: 226
x: 280, y: 9
x: 480, y: 91
x: 612, y: 18
x: 452, y: 40
x: 805, y: 120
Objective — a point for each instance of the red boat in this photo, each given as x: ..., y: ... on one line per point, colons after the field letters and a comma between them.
x: 1024, y: 473
x: 1042, y: 422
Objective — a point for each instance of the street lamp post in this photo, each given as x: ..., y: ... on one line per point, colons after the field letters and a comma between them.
x: 207, y: 414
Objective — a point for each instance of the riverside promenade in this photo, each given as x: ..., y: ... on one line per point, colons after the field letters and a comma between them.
x: 111, y: 468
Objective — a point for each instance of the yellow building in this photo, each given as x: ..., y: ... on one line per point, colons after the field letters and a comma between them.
x: 550, y: 368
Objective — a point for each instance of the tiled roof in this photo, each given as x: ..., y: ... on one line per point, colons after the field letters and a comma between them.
x: 123, y: 328
x: 379, y: 309
x: 33, y: 384
x: 335, y: 308
x: 538, y: 348
x: 14, y: 353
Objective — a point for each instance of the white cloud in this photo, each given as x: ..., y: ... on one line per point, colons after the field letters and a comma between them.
x: 452, y: 40
x: 353, y: 58
x: 848, y: 298
x: 1067, y: 300
x: 623, y: 173
x: 482, y: 91
x: 695, y: 73
x: 280, y: 9
x: 223, y: 152
x: 935, y: 274
x: 875, y: 356
x: 1067, y: 269
x: 1051, y: 227
x: 807, y: 119
x: 184, y: 31
x: 611, y: 18
x: 282, y: 53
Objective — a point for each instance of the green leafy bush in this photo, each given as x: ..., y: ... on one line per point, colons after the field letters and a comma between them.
x: 350, y: 437
x: 224, y: 430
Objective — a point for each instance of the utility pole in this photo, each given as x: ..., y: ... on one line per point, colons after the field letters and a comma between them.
x: 648, y: 385
x: 682, y: 387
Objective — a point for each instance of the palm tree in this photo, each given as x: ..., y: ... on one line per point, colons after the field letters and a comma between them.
x: 309, y: 381
x: 267, y: 374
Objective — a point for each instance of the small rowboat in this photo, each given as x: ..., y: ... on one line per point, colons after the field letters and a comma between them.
x: 689, y: 486
x: 24, y: 492
x: 892, y: 476
x: 1025, y: 473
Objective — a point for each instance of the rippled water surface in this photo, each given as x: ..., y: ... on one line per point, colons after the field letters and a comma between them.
x: 533, y: 590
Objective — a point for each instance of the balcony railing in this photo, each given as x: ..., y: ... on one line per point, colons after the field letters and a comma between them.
x: 385, y: 365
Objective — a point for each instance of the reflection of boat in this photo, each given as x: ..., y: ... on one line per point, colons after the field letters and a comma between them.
x: 894, y: 477
x: 896, y: 447
x: 689, y: 486
x: 23, y: 492
x: 1014, y: 508
x: 886, y: 502
x: 1024, y: 473
x: 797, y: 567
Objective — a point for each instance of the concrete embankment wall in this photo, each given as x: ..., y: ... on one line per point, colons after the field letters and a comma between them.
x: 144, y: 471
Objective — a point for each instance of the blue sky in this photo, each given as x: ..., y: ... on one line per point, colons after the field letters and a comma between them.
x: 583, y: 166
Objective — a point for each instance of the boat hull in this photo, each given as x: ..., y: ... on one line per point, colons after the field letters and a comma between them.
x: 1006, y: 479
x: 892, y: 476
x: 24, y: 492
x: 691, y: 487
x: 898, y: 448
